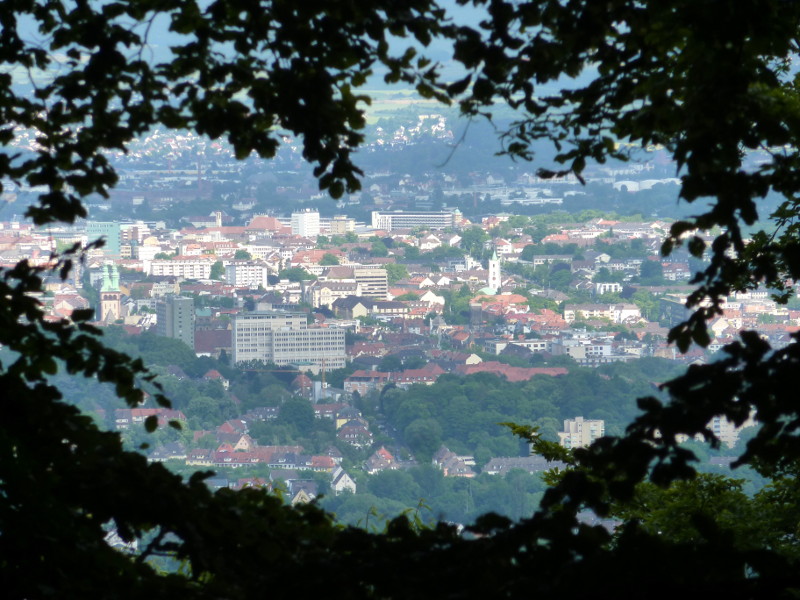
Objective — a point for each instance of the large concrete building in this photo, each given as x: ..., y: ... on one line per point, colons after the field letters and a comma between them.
x: 175, y: 319
x: 374, y: 283
x: 580, y: 432
x: 398, y: 219
x: 305, y: 223
x: 109, y: 232
x: 284, y: 338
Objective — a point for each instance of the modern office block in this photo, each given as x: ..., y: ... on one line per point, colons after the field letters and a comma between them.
x: 284, y: 338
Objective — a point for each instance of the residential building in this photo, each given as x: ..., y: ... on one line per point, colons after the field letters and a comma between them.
x: 532, y: 464
x: 325, y: 293
x: 616, y: 313
x: 246, y: 274
x: 580, y: 432
x: 607, y: 287
x: 364, y: 382
x: 342, y: 482
x: 188, y: 268
x: 452, y: 465
x: 175, y: 319
x: 388, y: 308
x: 356, y: 434
x: 727, y: 431
x: 351, y: 307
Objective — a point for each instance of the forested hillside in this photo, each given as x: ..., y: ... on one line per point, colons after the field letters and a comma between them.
x: 465, y: 413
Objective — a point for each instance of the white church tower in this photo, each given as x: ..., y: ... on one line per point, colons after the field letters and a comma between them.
x: 494, y: 282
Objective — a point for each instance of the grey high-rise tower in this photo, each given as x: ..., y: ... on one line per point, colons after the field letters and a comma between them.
x: 176, y: 319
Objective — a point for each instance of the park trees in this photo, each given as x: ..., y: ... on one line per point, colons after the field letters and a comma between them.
x: 710, y: 82
x: 217, y: 271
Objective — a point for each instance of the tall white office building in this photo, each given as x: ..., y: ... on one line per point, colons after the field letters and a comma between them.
x: 305, y: 223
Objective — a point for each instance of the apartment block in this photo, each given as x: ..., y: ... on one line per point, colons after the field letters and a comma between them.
x: 175, y: 319
x: 187, y: 269
x: 580, y: 432
x: 246, y: 274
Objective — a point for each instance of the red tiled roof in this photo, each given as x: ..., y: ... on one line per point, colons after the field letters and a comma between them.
x: 509, y: 372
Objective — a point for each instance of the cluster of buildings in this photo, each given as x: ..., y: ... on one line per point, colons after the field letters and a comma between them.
x: 289, y: 468
x: 225, y: 289
x: 219, y: 287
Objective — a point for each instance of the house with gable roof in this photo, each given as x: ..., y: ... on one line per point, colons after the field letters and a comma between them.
x: 380, y: 460
x: 302, y: 491
x: 348, y: 414
x: 125, y: 417
x: 342, y: 482
x: 322, y: 463
x: 364, y: 382
x: 233, y: 426
x: 168, y: 451
x: 427, y: 375
x: 200, y: 457
x: 214, y: 375
x: 328, y: 411
x: 453, y: 465
x: 356, y: 434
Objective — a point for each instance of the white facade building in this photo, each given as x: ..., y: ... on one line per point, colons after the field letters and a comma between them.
x: 610, y: 287
x: 580, y: 432
x: 409, y: 220
x: 305, y: 223
x: 246, y: 274
x: 188, y: 269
